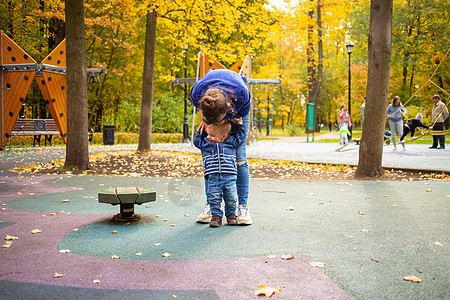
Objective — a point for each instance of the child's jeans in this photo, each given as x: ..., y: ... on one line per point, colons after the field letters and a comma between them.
x: 221, y: 186
x: 343, y: 139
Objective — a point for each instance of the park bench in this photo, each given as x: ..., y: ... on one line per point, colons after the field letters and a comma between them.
x: 126, y: 197
x: 35, y: 128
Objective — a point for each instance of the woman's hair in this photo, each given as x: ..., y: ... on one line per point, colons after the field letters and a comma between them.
x: 343, y: 105
x: 214, y: 105
x: 396, y: 98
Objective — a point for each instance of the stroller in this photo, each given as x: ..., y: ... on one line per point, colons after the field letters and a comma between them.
x: 387, y: 137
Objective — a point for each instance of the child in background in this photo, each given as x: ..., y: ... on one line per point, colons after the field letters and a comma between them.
x: 343, y: 134
x: 218, y: 144
x: 411, y: 127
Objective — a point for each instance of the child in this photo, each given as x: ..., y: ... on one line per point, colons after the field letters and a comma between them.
x: 411, y: 127
x: 218, y: 147
x: 343, y: 134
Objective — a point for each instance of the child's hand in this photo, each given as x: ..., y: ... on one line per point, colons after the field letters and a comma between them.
x: 237, y: 121
x: 202, y: 126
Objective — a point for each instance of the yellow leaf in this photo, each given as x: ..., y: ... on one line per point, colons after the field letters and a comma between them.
x: 35, y: 231
x: 428, y: 190
x: 64, y: 251
x: 317, y: 264
x: 57, y: 275
x: 115, y: 257
x: 267, y: 290
x: 438, y: 244
x: 95, y: 281
x: 6, y: 246
x: 9, y: 237
x: 287, y: 257
x: 113, y: 231
x: 166, y: 254
x: 412, y: 278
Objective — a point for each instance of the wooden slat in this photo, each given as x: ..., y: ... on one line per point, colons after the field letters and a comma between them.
x: 12, y: 53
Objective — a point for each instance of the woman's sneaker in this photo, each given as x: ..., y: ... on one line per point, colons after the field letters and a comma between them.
x: 205, y: 216
x: 243, y: 217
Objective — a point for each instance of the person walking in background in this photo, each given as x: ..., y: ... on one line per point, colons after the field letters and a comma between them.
x: 362, y: 111
x: 438, y: 116
x: 330, y: 125
x: 344, y: 118
x: 395, y: 113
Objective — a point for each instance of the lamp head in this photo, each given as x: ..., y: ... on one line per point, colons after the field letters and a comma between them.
x: 350, y: 47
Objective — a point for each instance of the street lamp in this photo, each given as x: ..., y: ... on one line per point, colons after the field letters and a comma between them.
x: 349, y: 47
x: 185, y: 122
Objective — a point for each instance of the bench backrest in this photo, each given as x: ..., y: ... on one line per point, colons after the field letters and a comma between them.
x: 35, y: 125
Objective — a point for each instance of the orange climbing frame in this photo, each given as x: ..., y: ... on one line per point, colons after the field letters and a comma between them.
x: 17, y: 73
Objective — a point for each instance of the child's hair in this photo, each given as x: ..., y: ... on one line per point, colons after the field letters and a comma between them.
x: 225, y: 125
x: 214, y: 105
x: 419, y: 117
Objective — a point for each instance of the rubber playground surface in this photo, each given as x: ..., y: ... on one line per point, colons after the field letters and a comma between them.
x: 350, y: 239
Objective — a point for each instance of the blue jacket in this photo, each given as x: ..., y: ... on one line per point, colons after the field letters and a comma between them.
x: 219, y: 158
x: 228, y: 81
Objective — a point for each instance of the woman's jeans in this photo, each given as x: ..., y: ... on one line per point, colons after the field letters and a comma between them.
x: 396, y: 127
x: 243, y: 176
x: 221, y: 186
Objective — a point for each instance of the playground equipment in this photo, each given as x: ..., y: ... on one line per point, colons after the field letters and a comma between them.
x: 17, y: 71
x: 126, y: 197
x: 244, y: 67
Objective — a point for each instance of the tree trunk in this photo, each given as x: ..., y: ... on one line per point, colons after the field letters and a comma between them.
x: 145, y: 131
x: 380, y: 37
x: 77, y: 153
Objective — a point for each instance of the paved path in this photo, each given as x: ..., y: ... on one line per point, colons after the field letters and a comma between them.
x: 368, y: 234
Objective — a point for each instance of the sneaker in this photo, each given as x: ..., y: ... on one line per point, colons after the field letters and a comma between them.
x: 243, y: 215
x: 441, y: 147
x: 216, y: 221
x: 413, y: 138
x: 395, y: 148
x: 231, y: 220
x: 205, y: 216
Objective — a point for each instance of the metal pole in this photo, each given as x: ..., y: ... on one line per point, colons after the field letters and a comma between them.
x: 349, y: 94
x: 185, y: 123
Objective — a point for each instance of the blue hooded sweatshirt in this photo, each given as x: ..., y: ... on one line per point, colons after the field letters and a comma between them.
x: 220, y: 158
x: 229, y: 82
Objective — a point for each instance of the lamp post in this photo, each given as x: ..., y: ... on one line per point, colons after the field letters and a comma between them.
x: 349, y: 47
x: 185, y: 122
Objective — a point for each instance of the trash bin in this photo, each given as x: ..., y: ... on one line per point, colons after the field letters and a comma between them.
x: 108, y: 135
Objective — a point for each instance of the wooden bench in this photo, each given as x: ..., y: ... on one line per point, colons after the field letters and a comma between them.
x: 35, y: 128
x: 126, y: 197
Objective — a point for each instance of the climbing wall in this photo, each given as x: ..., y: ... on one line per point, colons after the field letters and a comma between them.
x: 53, y: 84
x: 16, y: 78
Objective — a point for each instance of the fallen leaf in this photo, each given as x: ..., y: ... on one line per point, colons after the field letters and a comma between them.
x: 95, y: 281
x: 290, y: 208
x: 287, y: 257
x: 428, y: 190
x: 438, y: 244
x: 57, y: 275
x: 35, y: 231
x: 10, y: 237
x: 272, y: 256
x: 412, y: 278
x: 156, y: 244
x: 6, y: 246
x: 360, y: 212
x: 113, y: 231
x: 166, y: 254
x: 173, y: 225
x: 267, y: 290
x: 75, y: 229
x: 66, y: 200
x: 64, y: 251
x: 187, y: 215
x: 115, y: 257
x: 317, y: 264
x: 138, y: 254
